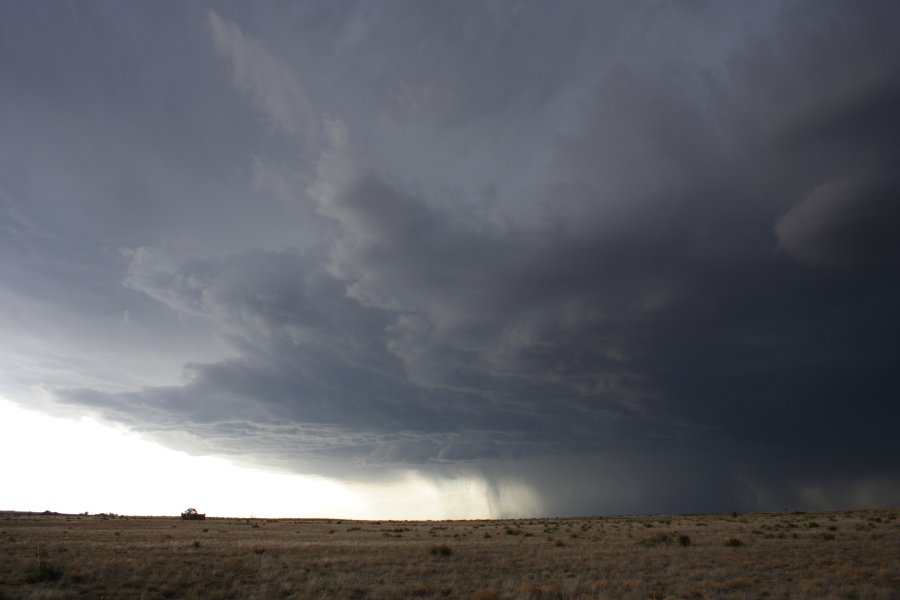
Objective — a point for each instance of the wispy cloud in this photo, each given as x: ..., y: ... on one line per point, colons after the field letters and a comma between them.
x: 274, y: 86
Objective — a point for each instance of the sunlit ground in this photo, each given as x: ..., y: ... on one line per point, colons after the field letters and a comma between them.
x: 73, y: 466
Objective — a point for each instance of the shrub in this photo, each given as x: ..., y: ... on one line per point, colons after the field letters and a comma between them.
x: 684, y: 540
x: 734, y: 543
x: 442, y: 550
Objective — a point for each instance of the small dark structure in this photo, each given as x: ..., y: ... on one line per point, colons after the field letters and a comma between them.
x: 191, y: 514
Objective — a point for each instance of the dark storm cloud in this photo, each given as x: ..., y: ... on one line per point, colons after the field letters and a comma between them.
x: 312, y: 354
x: 503, y: 240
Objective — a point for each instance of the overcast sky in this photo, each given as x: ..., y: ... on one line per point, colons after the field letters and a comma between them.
x: 624, y: 256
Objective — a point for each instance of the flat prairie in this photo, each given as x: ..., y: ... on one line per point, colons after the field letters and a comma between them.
x: 847, y: 554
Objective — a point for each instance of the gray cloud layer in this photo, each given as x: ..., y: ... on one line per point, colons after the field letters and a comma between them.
x: 508, y: 240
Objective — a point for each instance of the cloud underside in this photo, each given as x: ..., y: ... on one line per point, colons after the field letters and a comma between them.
x: 521, y: 249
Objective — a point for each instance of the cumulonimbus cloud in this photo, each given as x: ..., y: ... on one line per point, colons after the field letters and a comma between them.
x: 527, y: 246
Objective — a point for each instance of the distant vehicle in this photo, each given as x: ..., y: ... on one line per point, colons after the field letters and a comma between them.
x: 191, y: 514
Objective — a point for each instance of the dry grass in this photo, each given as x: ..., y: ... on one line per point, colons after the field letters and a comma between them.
x: 788, y: 555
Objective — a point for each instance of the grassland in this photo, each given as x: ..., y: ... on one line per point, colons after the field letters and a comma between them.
x: 780, y: 555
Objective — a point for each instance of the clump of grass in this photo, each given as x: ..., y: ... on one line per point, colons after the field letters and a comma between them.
x: 656, y: 540
x: 734, y: 543
x: 44, y: 570
x: 684, y: 540
x: 442, y: 550
x: 196, y: 544
x: 259, y: 550
x: 420, y: 588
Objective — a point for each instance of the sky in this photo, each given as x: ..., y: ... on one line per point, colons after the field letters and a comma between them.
x: 438, y: 259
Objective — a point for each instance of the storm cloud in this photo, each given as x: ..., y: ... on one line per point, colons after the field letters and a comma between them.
x: 631, y: 258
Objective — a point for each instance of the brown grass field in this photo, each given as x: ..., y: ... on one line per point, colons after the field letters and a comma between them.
x: 853, y: 554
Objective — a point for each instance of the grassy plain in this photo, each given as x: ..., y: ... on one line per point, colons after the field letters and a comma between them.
x: 845, y: 555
